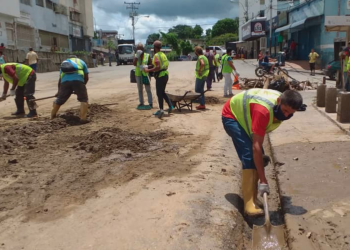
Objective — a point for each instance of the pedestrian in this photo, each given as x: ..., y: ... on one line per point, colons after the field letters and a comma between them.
x: 160, y: 68
x: 260, y: 57
x: 293, y: 46
x: 212, y: 64
x: 109, y: 57
x: 117, y: 56
x: 312, y: 56
x: 141, y: 60
x: 201, y: 73
x: 22, y: 78
x: 267, y: 60
x: 345, y: 58
x: 102, y: 58
x: 32, y: 59
x: 217, y: 65
x: 246, y: 118
x: 3, y: 60
x: 74, y: 75
x: 94, y: 57
x: 227, y: 70
x: 2, y: 47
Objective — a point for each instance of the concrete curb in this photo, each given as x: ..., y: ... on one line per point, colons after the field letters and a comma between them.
x: 347, y: 132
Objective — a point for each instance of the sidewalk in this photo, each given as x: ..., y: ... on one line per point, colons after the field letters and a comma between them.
x: 312, y: 161
x: 301, y: 66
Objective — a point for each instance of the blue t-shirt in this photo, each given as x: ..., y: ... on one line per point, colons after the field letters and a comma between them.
x: 74, y: 76
x: 266, y: 59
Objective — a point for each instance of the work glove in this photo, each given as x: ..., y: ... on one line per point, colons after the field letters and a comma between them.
x: 237, y: 73
x: 263, y: 188
x: 138, y: 54
x: 12, y: 92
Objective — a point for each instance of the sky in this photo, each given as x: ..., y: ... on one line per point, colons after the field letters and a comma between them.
x: 163, y: 14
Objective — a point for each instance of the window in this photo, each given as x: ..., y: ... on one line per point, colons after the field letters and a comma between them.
x: 262, y: 13
x: 9, y: 32
x: 75, y: 16
x: 40, y: 3
x: 27, y: 2
x: 49, y: 4
x: 125, y: 49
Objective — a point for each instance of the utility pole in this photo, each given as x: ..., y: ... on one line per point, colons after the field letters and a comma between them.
x: 246, y: 10
x: 132, y: 15
x: 270, y: 26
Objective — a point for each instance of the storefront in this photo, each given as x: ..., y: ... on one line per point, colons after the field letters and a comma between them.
x: 252, y: 31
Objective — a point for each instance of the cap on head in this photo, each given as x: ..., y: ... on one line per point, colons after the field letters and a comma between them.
x: 140, y: 47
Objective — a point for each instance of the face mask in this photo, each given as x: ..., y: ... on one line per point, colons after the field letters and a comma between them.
x: 277, y: 112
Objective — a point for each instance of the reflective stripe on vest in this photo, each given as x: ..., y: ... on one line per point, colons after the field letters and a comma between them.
x: 241, y: 103
x: 22, y: 72
x: 144, y: 62
x: 80, y: 67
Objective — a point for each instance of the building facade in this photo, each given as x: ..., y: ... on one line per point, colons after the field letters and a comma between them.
x: 47, y: 25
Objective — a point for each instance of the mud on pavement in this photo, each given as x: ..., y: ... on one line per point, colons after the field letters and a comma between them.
x: 49, y: 165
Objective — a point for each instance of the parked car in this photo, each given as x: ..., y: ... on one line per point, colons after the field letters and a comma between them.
x: 219, y: 50
x: 331, y: 69
x: 184, y: 58
x: 194, y: 58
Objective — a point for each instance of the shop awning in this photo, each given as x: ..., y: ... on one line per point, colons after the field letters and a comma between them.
x: 337, y: 23
x: 283, y: 28
x: 303, y: 21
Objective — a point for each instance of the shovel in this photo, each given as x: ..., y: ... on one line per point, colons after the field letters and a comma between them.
x: 32, y: 103
x: 268, y: 237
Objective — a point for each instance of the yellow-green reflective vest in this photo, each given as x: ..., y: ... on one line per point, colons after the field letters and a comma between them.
x: 164, y: 63
x: 78, y: 65
x: 217, y: 60
x: 205, y: 71
x: 346, y: 64
x: 225, y: 66
x: 22, y: 73
x: 240, y: 107
x: 144, y: 62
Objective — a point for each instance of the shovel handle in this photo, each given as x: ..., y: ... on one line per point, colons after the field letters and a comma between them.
x: 266, y: 208
x: 44, y: 98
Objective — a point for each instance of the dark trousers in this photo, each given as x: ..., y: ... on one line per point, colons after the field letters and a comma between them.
x: 28, y: 91
x: 67, y: 89
x: 210, y: 77
x: 160, y: 87
x: 33, y: 66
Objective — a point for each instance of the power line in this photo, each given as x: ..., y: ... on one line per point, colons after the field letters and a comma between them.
x: 133, y: 13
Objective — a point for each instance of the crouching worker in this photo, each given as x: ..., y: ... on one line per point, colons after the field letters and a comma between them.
x: 22, y: 78
x: 247, y: 117
x: 74, y: 76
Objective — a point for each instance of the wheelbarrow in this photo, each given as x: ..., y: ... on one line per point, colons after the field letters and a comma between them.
x: 184, y: 100
x: 268, y: 237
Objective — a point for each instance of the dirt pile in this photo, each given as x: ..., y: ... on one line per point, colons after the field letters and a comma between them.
x: 213, y: 100
x: 25, y: 136
x: 108, y: 140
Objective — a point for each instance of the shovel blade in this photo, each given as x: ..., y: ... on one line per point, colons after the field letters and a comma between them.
x: 268, y: 238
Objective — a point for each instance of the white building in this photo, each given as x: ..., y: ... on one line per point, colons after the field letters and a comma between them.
x: 7, y: 20
x: 47, y: 25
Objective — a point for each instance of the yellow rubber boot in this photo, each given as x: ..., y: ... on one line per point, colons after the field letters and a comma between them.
x: 248, y: 187
x: 54, y: 110
x: 83, y: 112
x: 256, y: 200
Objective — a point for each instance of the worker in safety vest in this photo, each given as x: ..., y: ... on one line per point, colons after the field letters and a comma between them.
x: 201, y: 72
x: 141, y: 61
x: 74, y: 76
x: 160, y: 68
x: 217, y: 65
x: 22, y: 78
x: 247, y: 117
x: 227, y: 70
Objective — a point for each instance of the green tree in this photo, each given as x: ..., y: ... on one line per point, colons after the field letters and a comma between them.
x: 197, y: 31
x: 222, y: 39
x: 186, y: 47
x: 110, y: 45
x: 182, y: 31
x: 224, y: 26
x: 171, y: 39
x: 208, y: 33
x: 152, y: 37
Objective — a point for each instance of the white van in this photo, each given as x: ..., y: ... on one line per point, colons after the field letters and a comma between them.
x: 219, y: 50
x: 126, y: 53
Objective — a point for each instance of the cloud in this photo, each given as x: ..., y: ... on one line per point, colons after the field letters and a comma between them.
x: 163, y: 14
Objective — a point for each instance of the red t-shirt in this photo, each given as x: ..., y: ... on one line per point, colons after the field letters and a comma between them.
x: 259, y: 114
x: 293, y: 45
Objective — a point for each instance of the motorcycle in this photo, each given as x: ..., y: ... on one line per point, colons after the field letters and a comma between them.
x: 265, y: 68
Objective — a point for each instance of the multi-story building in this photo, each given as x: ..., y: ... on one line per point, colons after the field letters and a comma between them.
x: 7, y: 20
x: 47, y: 25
